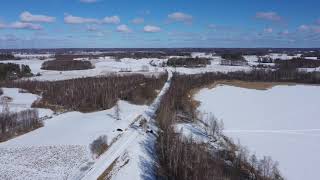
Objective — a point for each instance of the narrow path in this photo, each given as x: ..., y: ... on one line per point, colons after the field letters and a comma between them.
x: 128, y: 137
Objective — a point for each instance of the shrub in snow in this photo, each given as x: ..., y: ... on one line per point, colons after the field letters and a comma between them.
x: 99, y: 146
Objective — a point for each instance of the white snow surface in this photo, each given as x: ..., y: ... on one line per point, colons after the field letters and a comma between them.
x: 282, y: 122
x: 60, y: 149
x: 102, y: 67
x: 22, y: 101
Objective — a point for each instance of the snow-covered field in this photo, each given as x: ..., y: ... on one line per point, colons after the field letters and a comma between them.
x: 22, y: 101
x: 61, y: 148
x: 281, y: 122
x: 103, y: 67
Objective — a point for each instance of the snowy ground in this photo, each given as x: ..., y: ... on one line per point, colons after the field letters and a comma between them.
x: 60, y: 149
x: 133, y: 152
x: 103, y: 67
x: 282, y: 122
x: 22, y: 101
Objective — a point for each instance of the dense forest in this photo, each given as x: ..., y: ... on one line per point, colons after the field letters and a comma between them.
x: 13, y: 71
x: 92, y: 93
x: 66, y: 65
x: 233, y: 56
x: 297, y: 63
x: 188, y: 62
x: 6, y: 56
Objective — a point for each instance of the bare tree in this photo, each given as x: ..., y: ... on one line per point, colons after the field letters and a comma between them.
x: 117, y: 111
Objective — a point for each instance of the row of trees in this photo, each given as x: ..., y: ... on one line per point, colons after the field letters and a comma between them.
x: 181, y: 158
x: 92, y: 93
x: 6, y: 56
x: 13, y: 71
x: 297, y: 63
x: 188, y: 62
x: 233, y: 56
x: 15, y: 123
x: 66, y: 65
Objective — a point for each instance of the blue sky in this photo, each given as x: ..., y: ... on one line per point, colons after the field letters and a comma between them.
x: 159, y: 23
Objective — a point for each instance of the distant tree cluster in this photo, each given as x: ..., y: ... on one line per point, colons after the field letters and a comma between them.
x: 66, y: 65
x: 297, y: 63
x: 121, y: 55
x: 92, y: 93
x: 7, y: 56
x: 16, y: 123
x: 233, y: 57
x: 188, y: 62
x: 311, y: 54
x: 13, y: 71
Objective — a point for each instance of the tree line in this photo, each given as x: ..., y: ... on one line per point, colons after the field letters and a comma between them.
x: 188, y: 62
x: 13, y: 71
x: 92, y: 93
x: 7, y: 56
x: 181, y: 158
x: 297, y: 63
x: 66, y: 65
x: 16, y: 123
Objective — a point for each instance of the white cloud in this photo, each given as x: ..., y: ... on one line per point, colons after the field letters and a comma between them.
x: 271, y: 16
x: 268, y: 30
x: 284, y: 33
x: 123, y: 28
x: 92, y: 28
x: 304, y: 28
x: 138, y: 21
x: 24, y: 25
x: 212, y: 26
x: 28, y: 17
x: 111, y: 20
x: 88, y: 1
x: 151, y: 29
x: 179, y: 16
x: 69, y: 19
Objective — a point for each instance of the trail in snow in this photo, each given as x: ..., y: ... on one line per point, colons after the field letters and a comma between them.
x: 128, y: 137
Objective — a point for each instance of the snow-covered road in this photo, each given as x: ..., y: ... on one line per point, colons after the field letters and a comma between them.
x: 127, y: 138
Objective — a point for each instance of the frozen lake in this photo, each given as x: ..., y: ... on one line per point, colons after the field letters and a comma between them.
x: 282, y: 122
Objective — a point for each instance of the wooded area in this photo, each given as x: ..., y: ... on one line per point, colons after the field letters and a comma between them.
x: 92, y: 93
x: 16, y: 123
x: 182, y: 158
x: 66, y: 65
x: 188, y: 62
x: 10, y: 71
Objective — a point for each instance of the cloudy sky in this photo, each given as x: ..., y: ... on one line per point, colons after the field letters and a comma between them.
x: 159, y: 23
